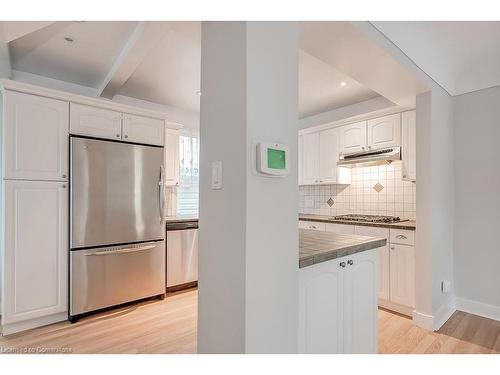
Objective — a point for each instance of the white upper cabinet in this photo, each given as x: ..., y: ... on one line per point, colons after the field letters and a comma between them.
x: 328, y: 156
x: 171, y: 157
x: 384, y: 132
x: 318, y: 156
x: 408, y: 145
x: 141, y: 129
x: 310, y: 158
x: 95, y: 122
x: 36, y: 137
x: 35, y: 251
x: 353, y: 137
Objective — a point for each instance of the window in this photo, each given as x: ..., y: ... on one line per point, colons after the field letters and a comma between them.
x: 189, y: 159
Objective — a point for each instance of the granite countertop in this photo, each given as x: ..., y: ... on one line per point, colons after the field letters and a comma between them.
x: 408, y: 224
x: 317, y: 247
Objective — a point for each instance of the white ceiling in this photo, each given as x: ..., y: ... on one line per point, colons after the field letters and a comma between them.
x: 169, y: 72
x: 85, y: 62
x: 320, y: 88
x: 461, y: 56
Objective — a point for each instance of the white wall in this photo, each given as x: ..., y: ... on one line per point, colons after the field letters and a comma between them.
x: 435, y: 189
x: 435, y: 202
x: 477, y: 196
x: 248, y: 262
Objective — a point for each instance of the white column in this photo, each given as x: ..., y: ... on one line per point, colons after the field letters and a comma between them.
x: 248, y: 265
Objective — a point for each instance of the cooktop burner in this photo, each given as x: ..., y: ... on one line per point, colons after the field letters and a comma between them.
x: 368, y: 218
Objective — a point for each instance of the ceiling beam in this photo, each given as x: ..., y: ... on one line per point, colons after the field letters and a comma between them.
x: 5, y: 65
x: 141, y: 41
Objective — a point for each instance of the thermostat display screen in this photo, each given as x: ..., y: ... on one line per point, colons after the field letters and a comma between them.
x: 276, y: 159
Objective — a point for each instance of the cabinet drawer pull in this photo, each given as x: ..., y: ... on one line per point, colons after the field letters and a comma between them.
x: 401, y: 237
x: 392, y: 247
x: 350, y: 262
x: 313, y: 227
x: 342, y: 264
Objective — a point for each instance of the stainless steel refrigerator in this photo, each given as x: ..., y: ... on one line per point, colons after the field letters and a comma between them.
x: 117, y: 230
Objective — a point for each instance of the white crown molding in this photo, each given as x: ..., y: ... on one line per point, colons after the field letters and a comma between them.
x: 358, y: 118
x: 7, y: 84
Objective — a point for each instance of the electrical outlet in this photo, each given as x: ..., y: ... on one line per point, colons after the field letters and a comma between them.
x: 445, y: 286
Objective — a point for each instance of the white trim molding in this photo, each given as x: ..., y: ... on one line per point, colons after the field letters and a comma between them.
x: 478, y: 308
x: 422, y: 320
x: 444, y: 313
x: 436, y: 321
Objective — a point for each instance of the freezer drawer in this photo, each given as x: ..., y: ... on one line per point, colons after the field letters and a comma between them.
x: 182, y: 256
x: 110, y: 276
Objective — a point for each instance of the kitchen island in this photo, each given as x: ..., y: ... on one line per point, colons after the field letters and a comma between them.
x: 338, y: 292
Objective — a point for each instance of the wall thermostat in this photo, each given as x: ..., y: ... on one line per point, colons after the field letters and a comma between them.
x: 272, y: 159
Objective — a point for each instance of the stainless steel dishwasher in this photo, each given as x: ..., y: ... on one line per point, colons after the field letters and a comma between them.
x: 182, y: 255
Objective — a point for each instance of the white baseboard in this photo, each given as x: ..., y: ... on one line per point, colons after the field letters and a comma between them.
x: 422, y: 320
x: 478, y: 308
x: 435, y: 321
x: 444, y: 313
x: 9, y: 329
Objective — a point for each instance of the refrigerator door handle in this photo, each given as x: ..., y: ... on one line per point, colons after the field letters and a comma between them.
x: 121, y: 251
x: 162, y: 194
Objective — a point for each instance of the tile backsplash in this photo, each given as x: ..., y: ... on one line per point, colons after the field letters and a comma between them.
x: 374, y: 190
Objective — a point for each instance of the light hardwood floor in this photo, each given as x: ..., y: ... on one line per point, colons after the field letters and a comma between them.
x: 169, y: 326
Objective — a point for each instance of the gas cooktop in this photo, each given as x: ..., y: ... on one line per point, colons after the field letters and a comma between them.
x: 368, y: 218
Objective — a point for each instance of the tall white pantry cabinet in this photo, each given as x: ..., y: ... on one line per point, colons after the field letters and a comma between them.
x: 35, y: 132
x: 35, y: 128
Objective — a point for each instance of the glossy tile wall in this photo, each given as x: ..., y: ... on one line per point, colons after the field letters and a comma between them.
x: 395, y: 198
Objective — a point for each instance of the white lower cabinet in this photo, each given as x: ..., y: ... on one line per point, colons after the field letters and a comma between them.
x: 338, y: 305
x: 34, y: 290
x: 403, y: 274
x: 383, y: 253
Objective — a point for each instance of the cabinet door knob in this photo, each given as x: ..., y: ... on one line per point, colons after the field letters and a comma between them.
x: 118, y: 136
x: 350, y: 262
x: 342, y: 264
x: 126, y: 136
x: 64, y: 186
x: 392, y: 247
x: 64, y: 176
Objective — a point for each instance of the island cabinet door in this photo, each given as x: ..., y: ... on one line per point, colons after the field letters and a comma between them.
x: 360, y: 303
x: 321, y: 308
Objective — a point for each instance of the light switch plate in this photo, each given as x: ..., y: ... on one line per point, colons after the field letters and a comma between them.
x: 216, y: 175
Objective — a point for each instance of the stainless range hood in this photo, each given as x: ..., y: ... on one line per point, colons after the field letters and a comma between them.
x: 372, y: 157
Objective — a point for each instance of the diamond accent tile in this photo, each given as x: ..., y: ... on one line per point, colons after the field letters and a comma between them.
x: 330, y: 202
x: 378, y: 187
